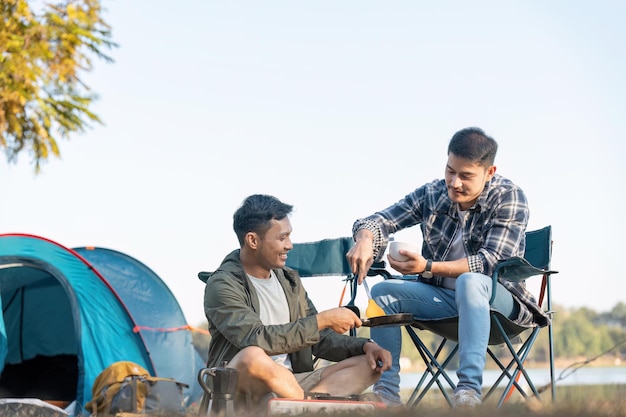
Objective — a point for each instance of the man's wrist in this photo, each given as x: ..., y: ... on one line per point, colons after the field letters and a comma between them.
x: 369, y: 341
x: 364, y: 234
x: 427, y: 272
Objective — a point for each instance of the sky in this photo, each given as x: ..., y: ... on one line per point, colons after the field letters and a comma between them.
x: 339, y: 108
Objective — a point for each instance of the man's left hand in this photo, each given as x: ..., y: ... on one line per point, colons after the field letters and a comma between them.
x: 378, y: 358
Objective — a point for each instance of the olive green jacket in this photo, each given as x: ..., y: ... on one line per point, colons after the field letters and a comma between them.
x: 231, y: 306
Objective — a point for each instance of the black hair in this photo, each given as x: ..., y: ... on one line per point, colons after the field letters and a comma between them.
x: 256, y: 214
x: 473, y: 144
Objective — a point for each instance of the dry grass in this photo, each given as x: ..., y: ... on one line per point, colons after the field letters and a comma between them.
x: 593, y: 409
x: 582, y: 401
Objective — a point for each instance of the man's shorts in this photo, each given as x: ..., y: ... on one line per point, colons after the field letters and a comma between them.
x: 308, y: 380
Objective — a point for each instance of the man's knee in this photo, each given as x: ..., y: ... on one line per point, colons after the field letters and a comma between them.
x: 364, y: 372
x: 379, y: 289
x: 473, y: 286
x: 251, y: 360
x: 358, y: 366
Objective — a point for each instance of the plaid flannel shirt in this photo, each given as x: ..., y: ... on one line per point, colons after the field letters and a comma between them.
x: 494, y: 230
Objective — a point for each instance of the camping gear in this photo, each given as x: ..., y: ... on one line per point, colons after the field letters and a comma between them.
x: 373, y: 309
x: 220, y: 386
x: 398, y: 319
x: 127, y: 387
x: 292, y: 407
x: 324, y: 403
x: 67, y: 314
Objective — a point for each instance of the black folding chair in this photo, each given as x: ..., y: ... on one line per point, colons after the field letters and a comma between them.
x: 536, y: 262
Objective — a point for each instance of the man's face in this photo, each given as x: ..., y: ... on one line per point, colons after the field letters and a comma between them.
x: 466, y: 180
x: 274, y: 245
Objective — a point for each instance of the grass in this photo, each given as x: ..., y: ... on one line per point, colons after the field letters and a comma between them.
x: 592, y: 401
x: 571, y: 401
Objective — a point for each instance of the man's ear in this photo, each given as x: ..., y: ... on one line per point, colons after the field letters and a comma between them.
x: 251, y: 240
x: 490, y: 172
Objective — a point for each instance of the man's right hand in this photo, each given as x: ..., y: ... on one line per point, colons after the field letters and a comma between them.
x: 339, y: 319
x: 361, y: 255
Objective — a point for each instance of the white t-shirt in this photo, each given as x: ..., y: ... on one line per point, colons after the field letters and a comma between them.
x: 274, y: 308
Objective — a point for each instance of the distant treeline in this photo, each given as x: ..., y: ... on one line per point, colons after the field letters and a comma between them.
x: 585, y: 332
x: 578, y: 333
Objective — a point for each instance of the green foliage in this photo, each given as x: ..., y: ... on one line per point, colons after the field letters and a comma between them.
x: 42, y: 97
x: 617, y: 315
x: 581, y: 333
x: 578, y: 333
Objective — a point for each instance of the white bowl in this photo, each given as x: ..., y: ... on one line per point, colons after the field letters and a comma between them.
x: 394, y: 247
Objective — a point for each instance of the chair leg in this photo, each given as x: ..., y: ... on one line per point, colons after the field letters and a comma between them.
x: 552, y: 371
x: 550, y: 337
x: 519, y: 357
x: 512, y: 378
x: 434, y: 369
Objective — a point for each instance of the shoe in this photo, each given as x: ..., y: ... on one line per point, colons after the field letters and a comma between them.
x: 466, y: 398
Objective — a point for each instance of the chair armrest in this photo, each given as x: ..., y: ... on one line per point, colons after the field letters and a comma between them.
x: 517, y: 269
x: 204, y: 276
x: 378, y: 268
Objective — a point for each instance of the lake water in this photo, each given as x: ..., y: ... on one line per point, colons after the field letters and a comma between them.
x: 541, y: 377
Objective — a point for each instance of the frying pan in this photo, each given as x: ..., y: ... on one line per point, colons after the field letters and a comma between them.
x: 399, y: 319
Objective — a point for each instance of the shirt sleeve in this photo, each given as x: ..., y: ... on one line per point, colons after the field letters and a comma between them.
x: 379, y: 242
x: 506, y: 235
x: 405, y: 213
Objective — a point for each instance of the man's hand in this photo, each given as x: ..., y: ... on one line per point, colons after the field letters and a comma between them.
x: 361, y: 255
x: 339, y: 319
x: 378, y: 358
x: 415, y: 263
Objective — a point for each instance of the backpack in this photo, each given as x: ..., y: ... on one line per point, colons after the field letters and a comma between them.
x: 127, y: 387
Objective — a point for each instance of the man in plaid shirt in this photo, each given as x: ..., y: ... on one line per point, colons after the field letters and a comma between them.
x: 469, y: 220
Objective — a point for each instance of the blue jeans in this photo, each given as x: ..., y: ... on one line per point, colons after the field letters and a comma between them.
x: 470, y: 302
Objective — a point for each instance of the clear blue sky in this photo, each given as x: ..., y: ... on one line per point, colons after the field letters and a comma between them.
x: 339, y: 108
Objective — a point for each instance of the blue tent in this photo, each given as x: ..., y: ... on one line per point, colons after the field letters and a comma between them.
x: 67, y: 314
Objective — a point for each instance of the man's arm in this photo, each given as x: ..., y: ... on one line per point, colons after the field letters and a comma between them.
x: 506, y: 236
x: 339, y: 320
x: 371, y: 233
x: 416, y: 264
x: 361, y: 255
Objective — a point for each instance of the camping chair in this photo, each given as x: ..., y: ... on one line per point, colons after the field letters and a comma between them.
x: 325, y: 258
x: 321, y: 258
x: 328, y: 258
x: 536, y: 262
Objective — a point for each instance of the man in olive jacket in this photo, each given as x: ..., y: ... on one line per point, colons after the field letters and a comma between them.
x: 264, y: 325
